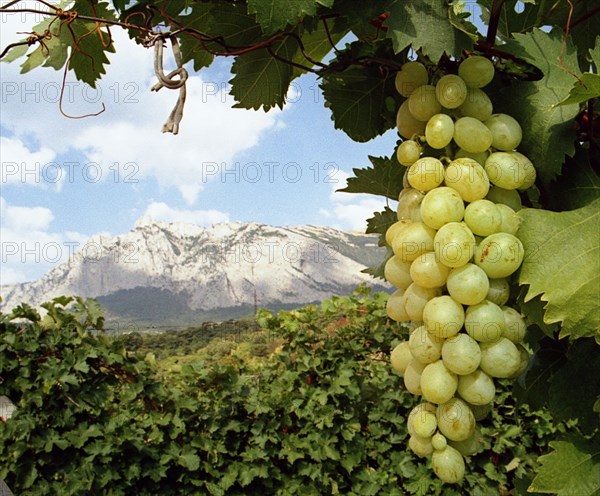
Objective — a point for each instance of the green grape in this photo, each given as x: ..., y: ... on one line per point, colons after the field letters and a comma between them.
x: 412, y: 75
x: 408, y: 152
x: 424, y: 423
x: 499, y: 255
x: 426, y: 173
x: 451, y: 91
x: 439, y: 131
x: 484, y: 322
x: 499, y: 291
x: 420, y: 446
x: 516, y: 328
x: 470, y: 446
x: 510, y: 220
x: 412, y: 377
x: 428, y: 272
x: 396, y: 307
x: 480, y: 158
x: 443, y: 317
x: 526, y: 169
x: 454, y: 244
x: 461, y: 354
x: 397, y: 272
x: 472, y: 135
x: 424, y: 347
x: 500, y: 358
x: 409, y: 204
x: 476, y: 71
x: 423, y: 104
x: 506, y: 132
x: 415, y: 299
x: 504, y: 170
x: 508, y: 197
x: 440, y: 206
x: 401, y: 357
x: 448, y: 464
x: 394, y: 229
x: 438, y: 441
x: 477, y: 105
x: 407, y: 125
x: 467, y: 177
x: 524, y: 355
x: 413, y: 241
x: 417, y: 410
x: 455, y: 419
x: 468, y: 284
x: 483, y: 217
x: 476, y: 388
x: 438, y: 384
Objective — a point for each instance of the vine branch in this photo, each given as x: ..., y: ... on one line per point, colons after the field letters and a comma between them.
x: 495, y: 11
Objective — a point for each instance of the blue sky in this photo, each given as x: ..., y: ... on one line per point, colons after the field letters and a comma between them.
x: 65, y: 180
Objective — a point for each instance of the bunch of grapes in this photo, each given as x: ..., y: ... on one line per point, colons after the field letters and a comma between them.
x: 454, y: 247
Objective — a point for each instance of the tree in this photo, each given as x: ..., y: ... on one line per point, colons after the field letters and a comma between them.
x: 547, y: 57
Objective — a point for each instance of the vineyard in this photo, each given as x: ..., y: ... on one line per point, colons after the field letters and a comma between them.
x: 324, y: 414
x: 479, y: 375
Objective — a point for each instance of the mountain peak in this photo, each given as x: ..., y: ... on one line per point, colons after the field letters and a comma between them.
x: 226, y: 265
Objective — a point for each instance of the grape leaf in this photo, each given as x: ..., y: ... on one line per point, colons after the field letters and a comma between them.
x: 353, y: 14
x: 88, y: 56
x: 359, y: 97
x: 426, y: 25
x: 575, y: 386
x: 53, y: 53
x: 316, y: 45
x: 86, y: 42
x: 534, y: 313
x: 563, y: 265
x: 585, y: 89
x: 260, y: 79
x: 548, y: 130
x: 595, y: 55
x: 192, y: 50
x: 275, y: 15
x: 572, y: 469
x: 532, y: 386
x: 384, y: 178
x: 379, y: 224
x: 228, y: 23
x: 511, y: 21
x: 583, y: 28
x: 15, y: 53
x: 578, y: 186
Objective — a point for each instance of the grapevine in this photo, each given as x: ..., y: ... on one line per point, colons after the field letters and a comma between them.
x: 479, y: 272
x: 454, y: 248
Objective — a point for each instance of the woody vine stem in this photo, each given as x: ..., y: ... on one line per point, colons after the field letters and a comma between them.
x: 171, y: 28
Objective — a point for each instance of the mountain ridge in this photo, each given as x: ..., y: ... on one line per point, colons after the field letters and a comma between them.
x: 203, y: 270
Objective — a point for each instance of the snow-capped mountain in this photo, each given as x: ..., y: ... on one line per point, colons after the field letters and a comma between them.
x: 162, y: 271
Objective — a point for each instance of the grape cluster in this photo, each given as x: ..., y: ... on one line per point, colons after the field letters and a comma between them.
x: 454, y: 247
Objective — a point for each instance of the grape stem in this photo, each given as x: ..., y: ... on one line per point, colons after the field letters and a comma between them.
x: 495, y: 11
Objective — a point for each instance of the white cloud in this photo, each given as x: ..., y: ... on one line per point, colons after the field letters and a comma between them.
x: 211, y: 135
x: 129, y: 131
x: 162, y: 212
x: 28, y: 246
x: 19, y: 165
